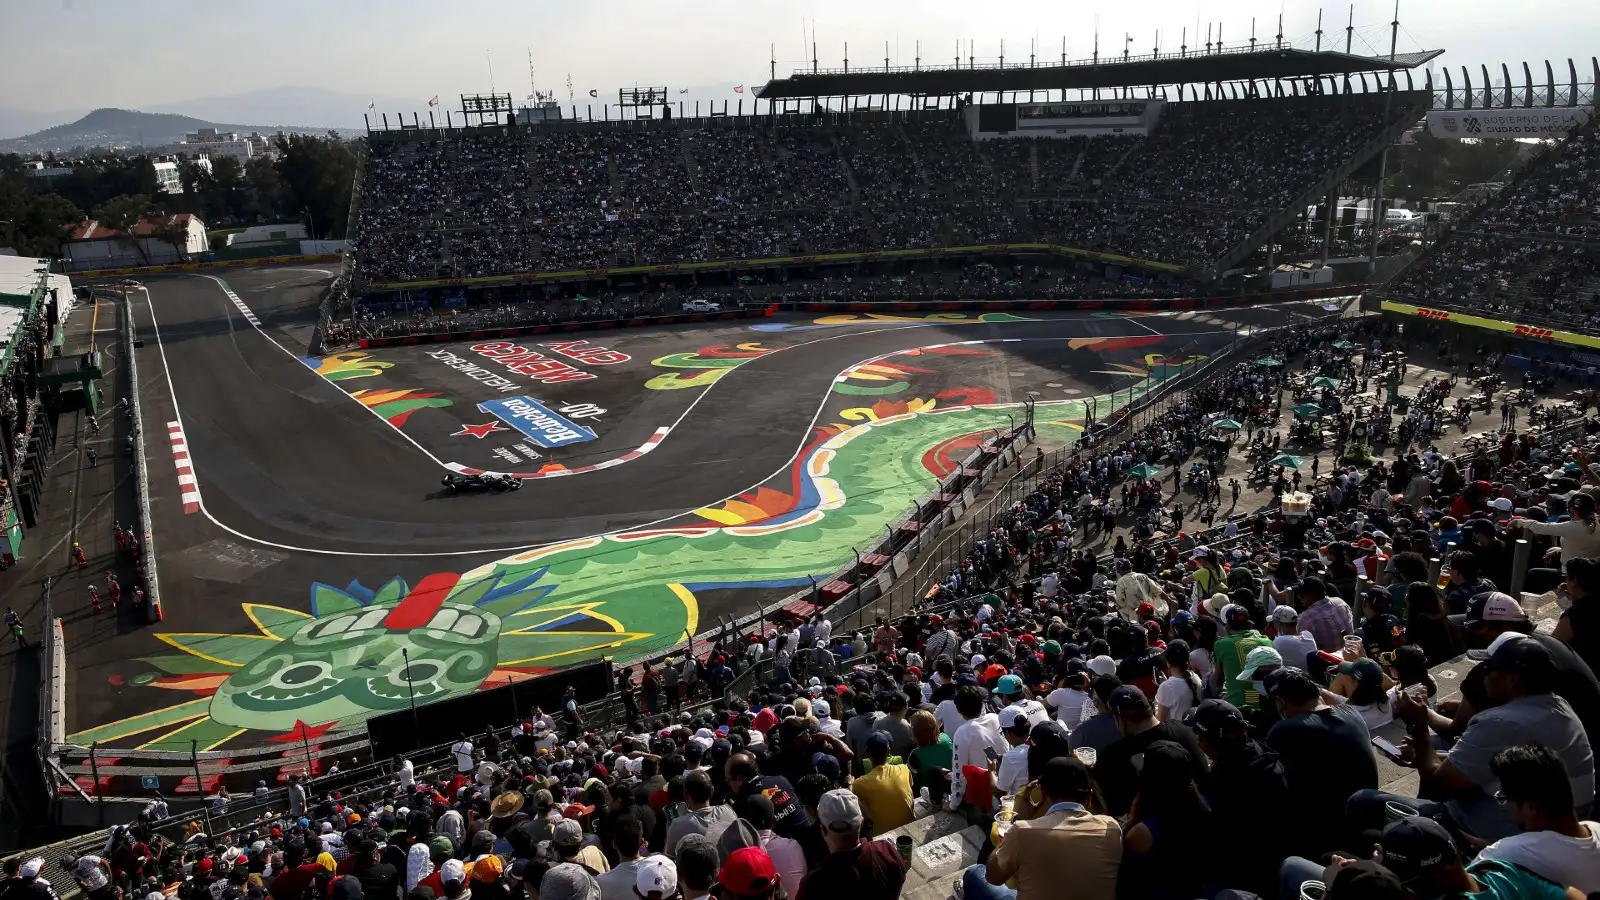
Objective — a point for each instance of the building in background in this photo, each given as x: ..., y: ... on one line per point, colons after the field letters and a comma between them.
x: 33, y: 304
x: 93, y: 246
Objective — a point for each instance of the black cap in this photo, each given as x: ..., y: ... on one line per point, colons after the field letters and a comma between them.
x: 1416, y: 845
x: 1128, y: 700
x: 1524, y: 654
x: 1367, y: 880
x: 1481, y: 526
x: 1291, y: 685
x: 1214, y: 717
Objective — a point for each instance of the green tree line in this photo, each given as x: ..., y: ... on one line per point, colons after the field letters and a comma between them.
x: 309, y: 180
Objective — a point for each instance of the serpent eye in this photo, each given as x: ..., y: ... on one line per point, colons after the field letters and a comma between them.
x: 296, y: 680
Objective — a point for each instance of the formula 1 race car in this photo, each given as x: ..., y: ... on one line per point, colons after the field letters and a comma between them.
x: 465, y: 484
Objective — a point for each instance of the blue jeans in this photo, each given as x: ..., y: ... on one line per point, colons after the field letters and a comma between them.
x: 974, y: 886
x: 1295, y: 871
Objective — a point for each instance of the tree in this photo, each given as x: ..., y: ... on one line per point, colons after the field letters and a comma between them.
x: 166, y: 228
x: 318, y: 174
x: 123, y: 214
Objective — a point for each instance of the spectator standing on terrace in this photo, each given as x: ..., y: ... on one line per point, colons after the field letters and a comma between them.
x: 702, y: 817
x: 856, y: 868
x: 1232, y: 650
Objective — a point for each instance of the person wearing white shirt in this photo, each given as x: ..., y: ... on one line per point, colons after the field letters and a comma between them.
x: 1294, y: 645
x: 1013, y: 775
x: 822, y: 631
x: 979, y: 733
x: 949, y: 718
x: 1554, y: 843
x: 463, y: 751
x: 1068, y: 702
x: 406, y: 773
x: 1049, y: 585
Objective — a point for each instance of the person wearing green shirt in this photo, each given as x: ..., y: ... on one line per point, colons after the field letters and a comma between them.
x: 934, y: 751
x: 1231, y: 651
x: 1423, y: 855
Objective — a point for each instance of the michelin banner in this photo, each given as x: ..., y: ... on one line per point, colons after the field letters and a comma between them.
x: 1526, y: 122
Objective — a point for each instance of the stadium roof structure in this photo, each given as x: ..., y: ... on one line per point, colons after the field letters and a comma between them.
x: 1106, y: 72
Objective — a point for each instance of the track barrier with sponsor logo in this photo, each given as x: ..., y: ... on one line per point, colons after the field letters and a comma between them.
x: 1531, y: 332
x: 215, y: 264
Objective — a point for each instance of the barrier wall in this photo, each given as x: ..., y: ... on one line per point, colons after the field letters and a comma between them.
x: 563, y: 327
x: 1529, y: 332
x: 141, y: 477
x: 1145, y: 304
x: 770, y: 261
x: 215, y: 264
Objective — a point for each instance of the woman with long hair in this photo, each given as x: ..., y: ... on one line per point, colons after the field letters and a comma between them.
x: 1163, y: 859
x: 933, y: 755
x: 1409, y: 568
x: 1181, y: 691
x: 1579, y: 625
x: 1428, y: 626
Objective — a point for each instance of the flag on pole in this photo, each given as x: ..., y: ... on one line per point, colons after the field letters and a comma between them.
x: 594, y: 93
x: 434, y: 100
x: 738, y: 89
x: 683, y: 90
x: 371, y: 104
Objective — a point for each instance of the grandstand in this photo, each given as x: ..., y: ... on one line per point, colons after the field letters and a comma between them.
x: 591, y: 202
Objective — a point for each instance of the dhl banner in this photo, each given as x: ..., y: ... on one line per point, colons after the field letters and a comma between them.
x: 1527, y: 331
x: 217, y: 264
x: 669, y: 268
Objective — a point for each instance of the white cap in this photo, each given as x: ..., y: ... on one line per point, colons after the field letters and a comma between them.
x: 1103, y: 665
x: 657, y: 876
x: 821, y: 709
x: 1009, y: 716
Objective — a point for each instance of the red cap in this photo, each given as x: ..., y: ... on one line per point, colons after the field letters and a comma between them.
x: 994, y: 672
x: 1027, y: 638
x: 936, y: 620
x: 204, y: 865
x: 1145, y: 609
x: 915, y: 671
x: 748, y: 872
x: 599, y: 771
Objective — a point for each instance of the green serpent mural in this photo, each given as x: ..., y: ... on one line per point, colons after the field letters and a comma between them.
x: 359, y: 649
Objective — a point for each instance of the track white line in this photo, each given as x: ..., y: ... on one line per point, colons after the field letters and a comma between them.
x: 645, y: 526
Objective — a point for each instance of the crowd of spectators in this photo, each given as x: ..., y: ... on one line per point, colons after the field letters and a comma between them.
x: 1530, y: 253
x: 501, y: 202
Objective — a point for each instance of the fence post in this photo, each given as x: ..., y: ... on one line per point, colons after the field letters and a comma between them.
x: 199, y: 783
x: 1519, y: 567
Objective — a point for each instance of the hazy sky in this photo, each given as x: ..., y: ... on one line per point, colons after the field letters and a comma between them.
x: 60, y: 54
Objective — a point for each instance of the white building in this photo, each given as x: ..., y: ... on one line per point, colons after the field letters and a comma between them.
x: 93, y: 246
x: 209, y: 143
x: 168, y: 178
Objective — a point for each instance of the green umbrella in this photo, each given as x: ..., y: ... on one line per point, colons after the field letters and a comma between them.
x: 1307, y: 410
x: 1226, y: 425
x: 746, y: 279
x: 1269, y: 362
x: 898, y: 279
x: 1143, y: 472
x: 1343, y: 345
x: 1284, y: 459
x: 1323, y: 381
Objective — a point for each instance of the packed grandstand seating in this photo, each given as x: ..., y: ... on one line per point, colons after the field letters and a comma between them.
x: 1046, y: 715
x: 1530, y: 253
x: 572, y: 197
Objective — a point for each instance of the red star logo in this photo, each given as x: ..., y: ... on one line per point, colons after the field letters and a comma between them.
x: 303, y: 732
x: 481, y: 431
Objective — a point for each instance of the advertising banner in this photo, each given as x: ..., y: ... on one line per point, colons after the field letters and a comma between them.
x: 1526, y: 331
x: 1525, y: 122
x: 537, y: 423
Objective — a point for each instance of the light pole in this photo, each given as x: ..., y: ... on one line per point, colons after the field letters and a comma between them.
x: 415, y: 728
x: 311, y: 222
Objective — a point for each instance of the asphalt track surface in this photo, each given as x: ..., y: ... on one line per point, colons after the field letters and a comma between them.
x: 284, y: 459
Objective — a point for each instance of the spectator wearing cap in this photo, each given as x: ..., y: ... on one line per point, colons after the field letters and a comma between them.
x: 1117, y: 771
x: 655, y: 878
x: 747, y: 874
x: 1483, y: 542
x: 885, y: 790
x: 1243, y: 784
x: 568, y: 881
x: 378, y: 878
x: 1554, y: 843
x: 1518, y: 677
x: 1326, y: 754
x: 702, y: 817
x: 1013, y: 774
x: 1068, y: 845
x: 788, y: 857
x: 1010, y: 690
x: 1232, y: 650
x: 1579, y: 625
x: 855, y: 868
x: 1326, y: 618
x: 1422, y: 854
x: 566, y: 837
x: 1293, y: 645
x: 23, y: 882
x: 697, y: 863
x: 627, y: 839
x: 1366, y: 689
